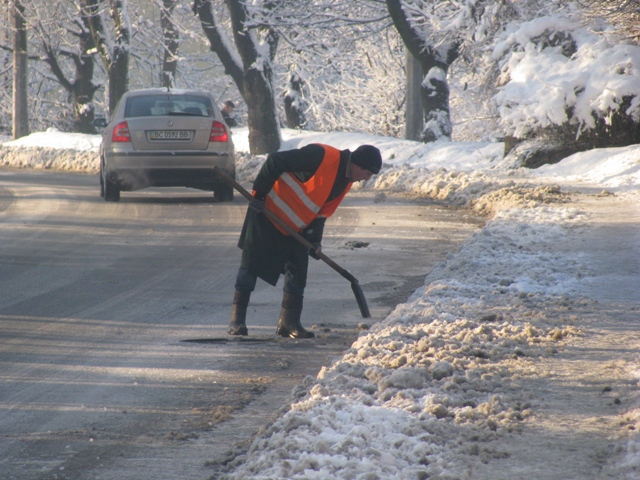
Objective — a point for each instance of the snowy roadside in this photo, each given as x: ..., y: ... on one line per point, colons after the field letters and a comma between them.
x: 467, y: 379
x: 463, y: 380
x: 52, y: 150
x: 481, y: 373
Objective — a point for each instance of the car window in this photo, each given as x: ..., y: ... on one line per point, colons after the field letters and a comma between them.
x: 161, y: 105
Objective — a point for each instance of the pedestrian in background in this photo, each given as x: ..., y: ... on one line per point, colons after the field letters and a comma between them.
x: 227, y: 109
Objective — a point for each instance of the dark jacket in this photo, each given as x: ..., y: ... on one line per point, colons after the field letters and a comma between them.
x: 229, y: 119
x: 264, y: 249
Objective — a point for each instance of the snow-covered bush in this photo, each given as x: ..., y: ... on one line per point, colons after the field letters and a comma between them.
x: 556, y: 71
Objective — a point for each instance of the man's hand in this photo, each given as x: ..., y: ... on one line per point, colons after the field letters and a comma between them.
x: 313, y: 233
x: 313, y: 252
x: 257, y: 203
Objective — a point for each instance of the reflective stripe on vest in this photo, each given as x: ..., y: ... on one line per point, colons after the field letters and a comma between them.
x: 298, y: 203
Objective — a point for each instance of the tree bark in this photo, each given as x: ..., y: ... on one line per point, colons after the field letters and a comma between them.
x: 171, y: 38
x: 435, y: 103
x: 82, y: 89
x: 435, y: 64
x: 264, y: 131
x: 413, y: 110
x: 119, y: 71
x: 293, y: 103
x: 115, y: 60
x: 253, y: 77
x: 20, y: 72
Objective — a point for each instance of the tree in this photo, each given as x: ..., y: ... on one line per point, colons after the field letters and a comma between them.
x: 625, y: 14
x: 20, y: 72
x: 338, y: 65
x: 347, y: 64
x: 294, y: 103
x: 250, y: 65
x: 81, y: 88
x: 435, y: 61
x: 60, y: 96
x: 171, y: 37
x: 6, y: 81
x: 112, y: 45
x: 413, y: 109
x: 440, y: 33
x: 594, y: 104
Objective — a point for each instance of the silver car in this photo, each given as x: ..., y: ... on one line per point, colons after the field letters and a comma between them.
x: 165, y: 138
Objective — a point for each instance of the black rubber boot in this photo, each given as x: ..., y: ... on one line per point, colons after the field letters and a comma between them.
x: 289, y: 322
x: 237, y: 321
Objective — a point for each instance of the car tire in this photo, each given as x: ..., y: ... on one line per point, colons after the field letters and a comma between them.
x: 223, y: 193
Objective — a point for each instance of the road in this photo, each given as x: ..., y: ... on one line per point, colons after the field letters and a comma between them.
x: 114, y: 362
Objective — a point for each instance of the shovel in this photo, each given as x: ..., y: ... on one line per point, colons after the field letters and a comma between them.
x: 355, y: 286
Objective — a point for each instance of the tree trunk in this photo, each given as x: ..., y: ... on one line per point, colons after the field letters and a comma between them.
x: 171, y: 38
x: 257, y: 81
x: 435, y: 103
x: 119, y: 68
x: 253, y: 76
x: 413, y: 111
x: 20, y: 73
x: 264, y: 131
x: 82, y: 92
x: 294, y: 103
x: 114, y: 57
x: 82, y: 89
x: 435, y: 63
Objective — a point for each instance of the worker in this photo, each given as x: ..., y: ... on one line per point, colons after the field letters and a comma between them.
x: 303, y: 187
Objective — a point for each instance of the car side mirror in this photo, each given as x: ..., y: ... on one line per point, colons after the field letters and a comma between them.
x: 100, y: 122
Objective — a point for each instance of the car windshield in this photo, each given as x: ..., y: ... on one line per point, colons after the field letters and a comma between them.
x: 166, y: 104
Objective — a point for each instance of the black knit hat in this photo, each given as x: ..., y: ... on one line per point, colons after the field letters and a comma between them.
x: 367, y: 157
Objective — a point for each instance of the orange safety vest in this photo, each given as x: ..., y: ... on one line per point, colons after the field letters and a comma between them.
x: 298, y: 203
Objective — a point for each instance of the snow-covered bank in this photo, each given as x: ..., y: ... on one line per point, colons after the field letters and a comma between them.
x: 445, y: 385
x: 448, y: 385
x: 458, y: 172
x: 52, y: 150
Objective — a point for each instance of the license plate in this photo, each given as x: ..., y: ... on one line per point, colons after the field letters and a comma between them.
x: 170, y: 135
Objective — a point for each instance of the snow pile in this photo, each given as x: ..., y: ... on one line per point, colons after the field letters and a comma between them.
x: 616, y: 168
x: 53, y: 150
x: 435, y: 389
x: 427, y: 392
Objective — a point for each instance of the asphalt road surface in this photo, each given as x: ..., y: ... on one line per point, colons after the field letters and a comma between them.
x: 114, y: 361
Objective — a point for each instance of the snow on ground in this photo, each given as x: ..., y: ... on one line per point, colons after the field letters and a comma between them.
x: 52, y: 150
x: 437, y: 389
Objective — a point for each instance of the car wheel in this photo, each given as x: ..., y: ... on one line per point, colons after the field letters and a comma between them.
x: 223, y: 193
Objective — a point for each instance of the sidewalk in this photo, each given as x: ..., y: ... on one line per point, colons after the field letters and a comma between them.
x: 584, y: 399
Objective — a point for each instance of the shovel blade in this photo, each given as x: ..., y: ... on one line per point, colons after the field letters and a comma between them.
x: 362, y: 302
